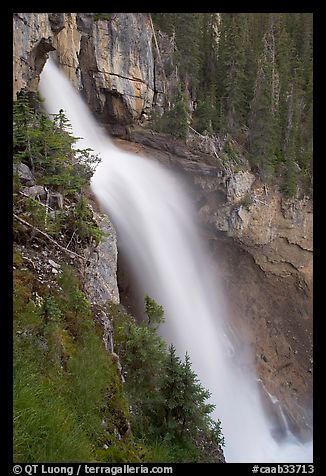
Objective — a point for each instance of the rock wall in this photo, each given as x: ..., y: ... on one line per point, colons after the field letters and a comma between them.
x: 110, y: 61
x: 101, y: 275
x: 277, y: 232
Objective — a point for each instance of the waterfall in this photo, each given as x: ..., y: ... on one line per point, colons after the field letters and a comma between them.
x: 152, y: 212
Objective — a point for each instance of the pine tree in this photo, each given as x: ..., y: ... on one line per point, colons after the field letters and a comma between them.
x: 47, y: 146
x: 172, y: 391
x: 23, y: 126
x: 235, y: 97
x: 194, y: 409
x: 238, y: 70
x: 184, y: 400
x: 264, y: 126
x: 187, y: 34
x: 177, y: 117
x: 203, y: 116
x: 154, y: 311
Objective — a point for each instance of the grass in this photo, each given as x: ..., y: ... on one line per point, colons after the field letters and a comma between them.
x: 65, y: 382
x: 70, y: 404
x: 169, y: 452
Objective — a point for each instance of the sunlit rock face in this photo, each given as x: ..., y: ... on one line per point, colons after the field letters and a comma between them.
x: 110, y: 61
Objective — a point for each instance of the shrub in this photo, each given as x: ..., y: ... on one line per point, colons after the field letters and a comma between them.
x: 65, y: 382
x: 102, y: 16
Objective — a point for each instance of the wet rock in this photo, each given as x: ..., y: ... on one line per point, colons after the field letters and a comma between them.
x: 28, y: 29
x: 85, y: 22
x: 91, y: 55
x: 39, y: 54
x: 118, y: 91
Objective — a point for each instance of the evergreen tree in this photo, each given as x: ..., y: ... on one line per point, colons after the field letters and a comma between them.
x: 177, y: 117
x: 187, y: 34
x: 166, y: 398
x: 203, y: 117
x: 172, y: 391
x: 154, y: 311
x: 23, y: 127
x: 238, y: 70
x: 264, y: 127
x: 48, y: 147
x: 235, y: 97
x: 194, y: 408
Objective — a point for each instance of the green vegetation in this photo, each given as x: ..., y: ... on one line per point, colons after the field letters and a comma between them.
x: 250, y: 75
x: 175, y: 120
x: 154, y: 311
x: 47, y: 146
x: 102, y: 16
x: 169, y: 412
x: 65, y: 383
x: 69, y: 401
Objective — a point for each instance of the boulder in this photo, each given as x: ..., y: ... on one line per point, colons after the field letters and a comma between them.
x: 56, y: 200
x: 57, y: 21
x: 24, y: 173
x: 37, y: 191
x: 239, y: 185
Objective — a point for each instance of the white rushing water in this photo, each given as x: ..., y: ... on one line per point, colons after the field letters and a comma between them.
x: 156, y: 225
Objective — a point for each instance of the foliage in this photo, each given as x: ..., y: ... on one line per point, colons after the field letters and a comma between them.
x: 141, y: 353
x: 65, y: 383
x: 154, y: 311
x: 48, y: 147
x: 250, y: 72
x: 247, y: 201
x: 174, y: 121
x: 168, y: 405
x: 80, y: 222
x: 102, y: 16
x: 66, y: 380
x: 203, y: 117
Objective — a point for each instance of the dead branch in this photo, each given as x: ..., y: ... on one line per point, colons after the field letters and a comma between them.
x: 65, y: 250
x: 39, y: 202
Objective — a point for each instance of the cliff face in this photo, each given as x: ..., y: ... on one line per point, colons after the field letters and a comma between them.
x: 111, y: 61
x: 276, y: 232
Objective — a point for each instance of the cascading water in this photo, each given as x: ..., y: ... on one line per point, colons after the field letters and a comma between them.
x: 155, y: 221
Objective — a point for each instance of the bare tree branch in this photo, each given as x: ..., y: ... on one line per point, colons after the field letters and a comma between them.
x: 65, y: 250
